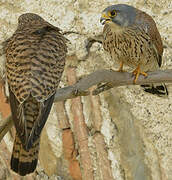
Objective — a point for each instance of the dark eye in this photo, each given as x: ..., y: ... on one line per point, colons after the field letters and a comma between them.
x: 113, y: 13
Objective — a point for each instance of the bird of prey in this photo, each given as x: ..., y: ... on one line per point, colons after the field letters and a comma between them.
x: 132, y: 38
x: 35, y: 60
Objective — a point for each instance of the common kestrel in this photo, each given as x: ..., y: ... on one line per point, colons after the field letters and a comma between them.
x: 132, y: 38
x: 35, y: 60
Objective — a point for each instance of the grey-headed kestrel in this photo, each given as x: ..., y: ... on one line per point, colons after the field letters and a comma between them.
x: 132, y: 38
x: 35, y: 60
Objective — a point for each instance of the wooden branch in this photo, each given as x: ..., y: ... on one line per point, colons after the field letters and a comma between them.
x: 5, y: 126
x: 111, y: 78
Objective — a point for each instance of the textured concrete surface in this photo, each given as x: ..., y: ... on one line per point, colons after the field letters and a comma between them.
x: 146, y: 118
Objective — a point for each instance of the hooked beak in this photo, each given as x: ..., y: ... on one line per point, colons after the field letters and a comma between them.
x: 104, y: 18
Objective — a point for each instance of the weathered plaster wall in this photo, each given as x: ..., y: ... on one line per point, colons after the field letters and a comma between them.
x: 136, y: 127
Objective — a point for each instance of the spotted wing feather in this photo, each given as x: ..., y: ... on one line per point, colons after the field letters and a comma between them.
x: 146, y: 22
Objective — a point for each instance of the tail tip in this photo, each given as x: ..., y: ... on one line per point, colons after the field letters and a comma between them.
x: 159, y: 90
x: 23, y: 168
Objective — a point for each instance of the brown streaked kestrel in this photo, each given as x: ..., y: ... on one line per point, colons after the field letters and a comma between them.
x: 35, y: 60
x: 132, y: 38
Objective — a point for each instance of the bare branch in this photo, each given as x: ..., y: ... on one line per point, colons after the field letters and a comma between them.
x: 5, y: 126
x: 109, y: 77
x: 112, y: 78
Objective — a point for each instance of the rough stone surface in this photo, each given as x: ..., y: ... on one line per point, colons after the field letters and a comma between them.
x: 136, y: 126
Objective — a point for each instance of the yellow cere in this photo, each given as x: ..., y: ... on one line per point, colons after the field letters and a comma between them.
x: 104, y: 15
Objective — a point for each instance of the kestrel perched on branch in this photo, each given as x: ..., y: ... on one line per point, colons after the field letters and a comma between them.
x: 132, y: 38
x: 35, y: 60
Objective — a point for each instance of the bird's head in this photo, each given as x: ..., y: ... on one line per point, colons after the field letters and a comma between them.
x: 120, y: 14
x: 29, y: 19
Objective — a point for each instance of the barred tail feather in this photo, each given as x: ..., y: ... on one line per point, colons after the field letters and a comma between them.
x: 156, y: 89
x: 24, y: 162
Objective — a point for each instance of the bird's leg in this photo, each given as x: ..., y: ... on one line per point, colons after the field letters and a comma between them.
x: 121, y: 67
x: 137, y: 72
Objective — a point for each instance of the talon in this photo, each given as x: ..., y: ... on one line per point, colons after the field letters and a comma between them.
x: 137, y: 72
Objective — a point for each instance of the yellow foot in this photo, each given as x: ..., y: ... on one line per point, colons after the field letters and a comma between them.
x: 121, y: 67
x: 137, y: 72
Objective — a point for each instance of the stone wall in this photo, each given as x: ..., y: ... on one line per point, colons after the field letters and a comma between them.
x: 120, y: 134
